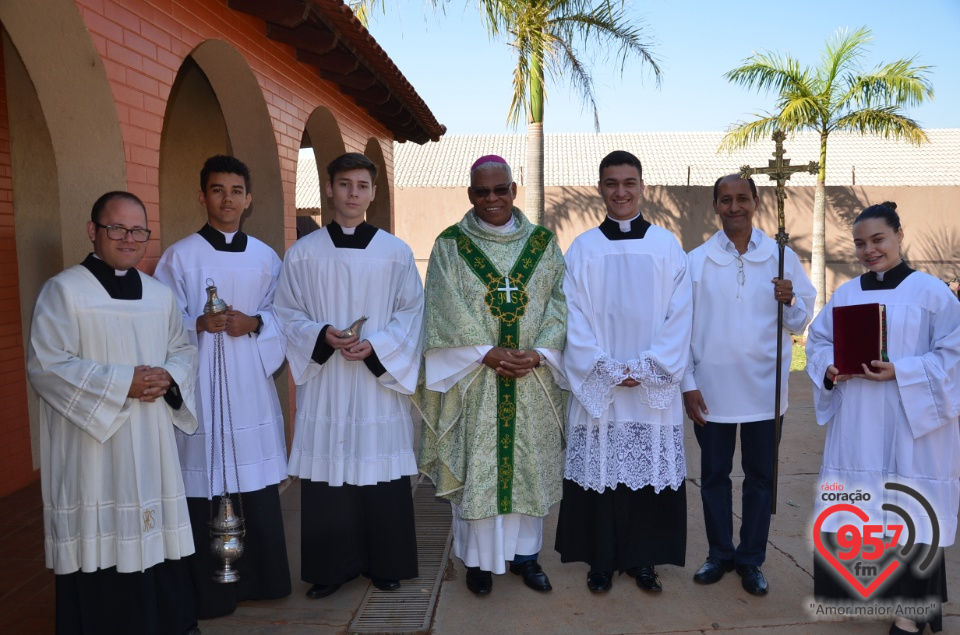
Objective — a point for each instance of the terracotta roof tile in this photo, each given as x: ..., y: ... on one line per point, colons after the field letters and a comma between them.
x: 686, y: 158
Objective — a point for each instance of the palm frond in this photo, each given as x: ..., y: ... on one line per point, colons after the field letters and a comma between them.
x: 770, y: 72
x: 886, y: 122
x: 744, y: 133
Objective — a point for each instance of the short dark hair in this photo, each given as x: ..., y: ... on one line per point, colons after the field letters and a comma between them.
x: 886, y: 211
x: 351, y: 161
x: 224, y: 164
x: 716, y: 185
x: 620, y: 157
x: 97, y: 211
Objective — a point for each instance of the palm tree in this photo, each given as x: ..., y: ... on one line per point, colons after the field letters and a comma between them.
x: 545, y: 35
x: 836, y: 95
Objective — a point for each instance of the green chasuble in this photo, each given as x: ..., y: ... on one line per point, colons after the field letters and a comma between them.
x: 494, y: 445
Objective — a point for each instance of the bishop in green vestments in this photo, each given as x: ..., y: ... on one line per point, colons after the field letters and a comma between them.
x: 491, y: 400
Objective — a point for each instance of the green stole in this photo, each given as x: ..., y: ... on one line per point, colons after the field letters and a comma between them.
x: 506, y: 298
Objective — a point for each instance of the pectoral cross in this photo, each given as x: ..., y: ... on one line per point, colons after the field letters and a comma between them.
x: 508, y: 289
x: 779, y: 170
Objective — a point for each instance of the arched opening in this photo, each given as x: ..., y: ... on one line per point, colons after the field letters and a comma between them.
x: 216, y: 106
x: 379, y: 214
x: 62, y: 120
x: 323, y: 138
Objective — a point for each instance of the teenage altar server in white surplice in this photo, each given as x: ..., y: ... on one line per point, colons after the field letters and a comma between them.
x: 114, y: 370
x: 353, y: 442
x: 897, y: 422
x: 245, y: 272
x: 628, y: 338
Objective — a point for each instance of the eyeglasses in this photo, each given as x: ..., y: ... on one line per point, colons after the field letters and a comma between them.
x: 115, y: 232
x: 484, y: 192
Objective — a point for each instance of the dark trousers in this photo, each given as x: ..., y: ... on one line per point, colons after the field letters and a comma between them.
x: 718, y: 442
x: 349, y: 529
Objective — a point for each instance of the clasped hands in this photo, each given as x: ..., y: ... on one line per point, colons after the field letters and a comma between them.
x: 233, y: 323
x: 886, y: 372
x: 348, y: 346
x: 149, y: 383
x: 510, y: 362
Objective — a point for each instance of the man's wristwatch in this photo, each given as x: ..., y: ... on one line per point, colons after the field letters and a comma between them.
x: 259, y: 324
x: 543, y: 360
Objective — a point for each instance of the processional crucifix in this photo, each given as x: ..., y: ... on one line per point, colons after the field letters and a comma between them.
x: 779, y: 170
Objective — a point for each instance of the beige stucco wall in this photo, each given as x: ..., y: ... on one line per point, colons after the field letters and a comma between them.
x: 930, y: 216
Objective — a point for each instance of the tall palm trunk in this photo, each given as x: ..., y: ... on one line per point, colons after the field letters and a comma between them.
x: 818, y: 253
x: 534, y: 175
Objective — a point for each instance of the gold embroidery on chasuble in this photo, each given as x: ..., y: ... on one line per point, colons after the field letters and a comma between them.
x: 506, y: 299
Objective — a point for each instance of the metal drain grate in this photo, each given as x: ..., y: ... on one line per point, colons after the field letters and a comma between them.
x: 409, y: 610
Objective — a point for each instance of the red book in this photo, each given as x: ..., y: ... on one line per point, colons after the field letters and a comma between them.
x: 859, y: 337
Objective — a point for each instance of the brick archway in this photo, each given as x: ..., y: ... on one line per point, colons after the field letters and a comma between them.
x: 65, y: 151
x: 379, y: 214
x: 323, y: 135
x: 216, y: 106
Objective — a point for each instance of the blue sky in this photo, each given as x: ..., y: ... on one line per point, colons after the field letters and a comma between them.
x: 465, y: 77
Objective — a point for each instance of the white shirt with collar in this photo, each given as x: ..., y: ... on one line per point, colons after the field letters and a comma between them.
x: 733, y: 348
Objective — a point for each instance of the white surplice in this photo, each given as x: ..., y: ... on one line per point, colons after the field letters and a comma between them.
x: 246, y: 281
x: 904, y: 430
x: 112, y: 490
x: 629, y: 315
x: 733, y: 352
x: 352, y: 427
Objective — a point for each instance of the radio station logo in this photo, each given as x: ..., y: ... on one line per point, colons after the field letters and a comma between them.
x: 867, y: 555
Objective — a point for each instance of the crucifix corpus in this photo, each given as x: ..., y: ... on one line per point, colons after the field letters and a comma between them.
x: 779, y: 170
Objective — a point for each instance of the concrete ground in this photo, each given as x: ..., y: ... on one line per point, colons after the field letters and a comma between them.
x: 684, y: 608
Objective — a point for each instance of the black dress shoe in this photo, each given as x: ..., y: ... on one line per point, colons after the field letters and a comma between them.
x: 318, y: 591
x: 533, y: 575
x: 480, y: 582
x: 753, y: 581
x: 599, y: 581
x: 647, y: 578
x: 385, y: 585
x: 712, y: 570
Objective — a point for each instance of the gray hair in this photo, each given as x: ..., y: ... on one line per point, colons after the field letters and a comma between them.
x: 490, y: 165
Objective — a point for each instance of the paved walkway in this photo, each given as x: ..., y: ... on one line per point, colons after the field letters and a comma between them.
x: 684, y: 608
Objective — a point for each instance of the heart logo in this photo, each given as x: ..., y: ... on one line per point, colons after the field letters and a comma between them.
x: 867, y: 591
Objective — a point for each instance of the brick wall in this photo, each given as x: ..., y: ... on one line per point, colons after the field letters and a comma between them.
x: 16, y: 464
x: 143, y: 43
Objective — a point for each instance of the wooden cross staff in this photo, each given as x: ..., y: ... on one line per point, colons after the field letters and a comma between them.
x: 779, y: 170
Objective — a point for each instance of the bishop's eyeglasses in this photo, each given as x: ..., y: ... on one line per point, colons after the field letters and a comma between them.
x: 116, y: 232
x: 484, y: 192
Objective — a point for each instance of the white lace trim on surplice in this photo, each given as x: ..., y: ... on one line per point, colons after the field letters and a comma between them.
x: 658, y: 388
x: 633, y: 453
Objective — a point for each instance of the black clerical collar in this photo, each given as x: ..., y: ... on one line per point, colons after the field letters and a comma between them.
x: 125, y: 287
x: 891, y: 278
x: 219, y: 242
x: 360, y: 238
x: 638, y: 229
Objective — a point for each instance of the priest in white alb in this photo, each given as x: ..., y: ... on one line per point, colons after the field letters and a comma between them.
x: 628, y: 338
x: 241, y: 433
x: 351, y: 303
x: 115, y: 372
